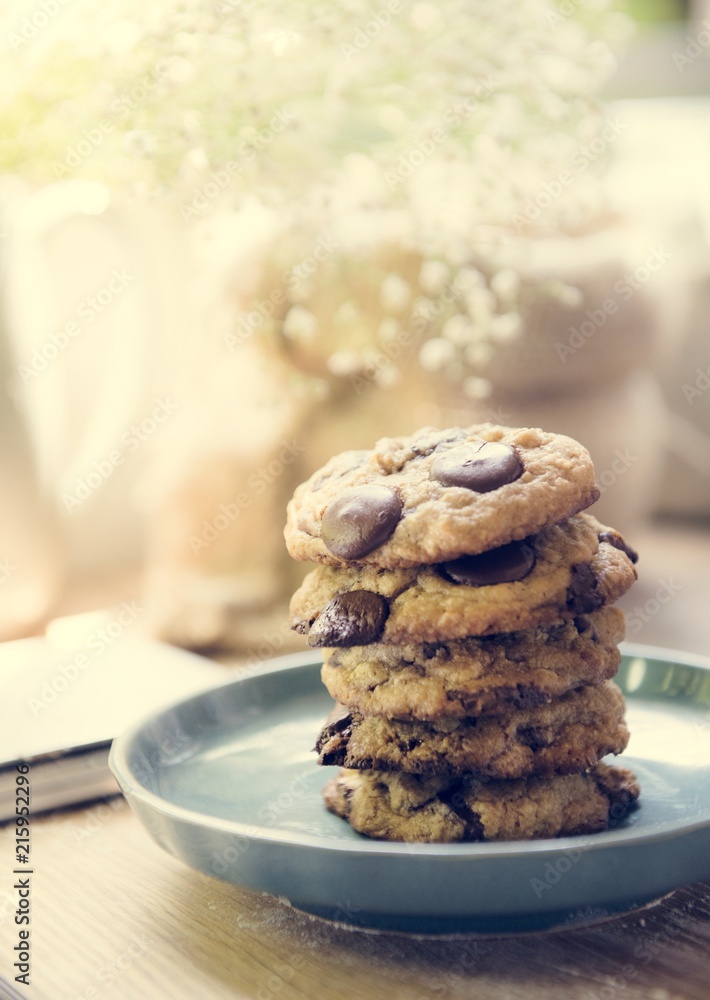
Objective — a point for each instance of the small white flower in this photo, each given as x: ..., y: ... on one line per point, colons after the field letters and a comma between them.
x: 468, y: 277
x: 480, y: 303
x: 344, y: 363
x: 506, y: 327
x: 478, y: 355
x: 458, y: 330
x: 197, y: 159
x: 389, y: 329
x: 139, y: 143
x: 395, y: 293
x: 505, y: 284
x: 425, y: 17
x: 436, y: 353
x: 567, y: 295
x: 433, y: 276
x: 347, y: 313
x: 300, y: 324
x: 387, y: 378
x: 180, y: 70
x: 477, y: 388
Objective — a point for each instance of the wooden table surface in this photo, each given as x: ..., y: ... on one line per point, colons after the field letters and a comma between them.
x: 114, y: 916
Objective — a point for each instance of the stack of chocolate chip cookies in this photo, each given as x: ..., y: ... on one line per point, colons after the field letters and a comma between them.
x: 466, y: 609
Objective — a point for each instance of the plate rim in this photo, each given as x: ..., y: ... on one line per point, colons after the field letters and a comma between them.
x: 626, y: 837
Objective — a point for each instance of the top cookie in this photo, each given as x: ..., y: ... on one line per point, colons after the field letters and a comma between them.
x: 438, y: 495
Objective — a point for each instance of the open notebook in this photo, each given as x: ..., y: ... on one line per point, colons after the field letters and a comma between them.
x: 60, y: 708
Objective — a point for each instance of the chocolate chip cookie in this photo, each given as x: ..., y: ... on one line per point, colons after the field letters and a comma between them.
x: 437, y: 809
x: 438, y: 495
x: 476, y: 676
x: 564, y: 736
x: 569, y: 569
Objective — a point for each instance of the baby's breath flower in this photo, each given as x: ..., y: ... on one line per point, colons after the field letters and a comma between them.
x: 299, y: 324
x: 433, y: 275
x: 437, y: 160
x: 477, y: 388
x: 395, y: 293
x: 436, y: 354
x: 344, y: 363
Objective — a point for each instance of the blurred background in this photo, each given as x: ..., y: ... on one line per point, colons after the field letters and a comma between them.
x: 237, y: 237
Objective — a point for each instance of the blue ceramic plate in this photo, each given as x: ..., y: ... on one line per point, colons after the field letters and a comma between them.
x: 227, y: 782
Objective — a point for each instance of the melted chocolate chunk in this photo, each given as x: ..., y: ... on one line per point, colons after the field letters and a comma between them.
x: 478, y: 467
x: 528, y: 697
x: 585, y: 627
x: 615, y: 539
x: 502, y: 565
x: 534, y: 738
x: 431, y: 649
x: 455, y: 798
x: 581, y: 593
x: 351, y: 619
x: 332, y: 741
x: 360, y: 520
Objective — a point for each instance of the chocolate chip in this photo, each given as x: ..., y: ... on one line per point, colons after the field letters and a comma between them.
x: 534, y: 738
x: 503, y: 565
x: 581, y: 593
x: 332, y: 741
x: 455, y: 798
x: 339, y: 719
x: 431, y: 649
x: 615, y: 539
x: 360, y: 520
x: 479, y: 467
x: 352, y: 619
x: 528, y: 697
